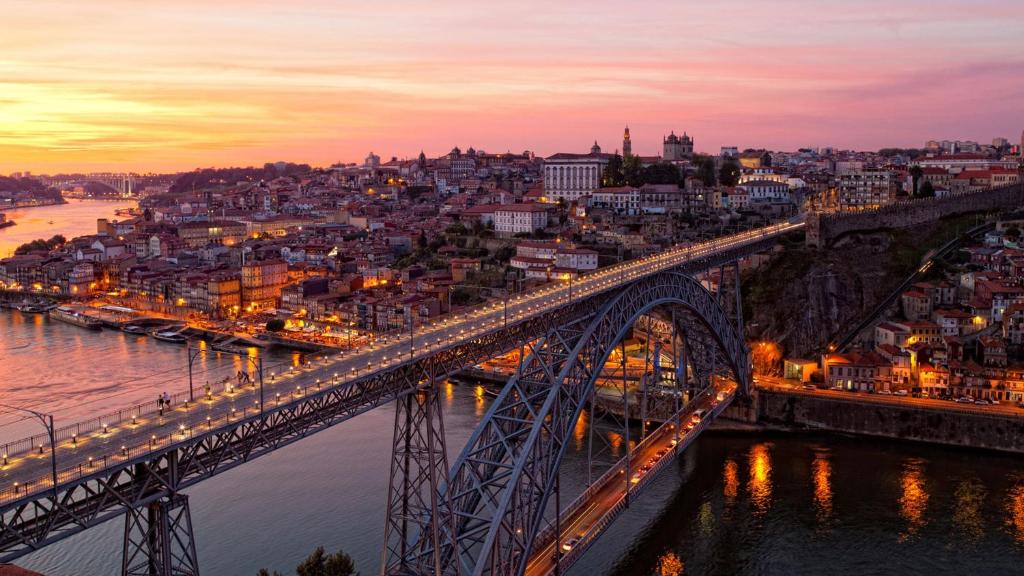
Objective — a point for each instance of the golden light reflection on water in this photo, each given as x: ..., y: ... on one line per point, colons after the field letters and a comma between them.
x: 579, y: 432
x: 969, y: 496
x: 822, y: 474
x: 1015, y: 511
x: 478, y: 392
x: 706, y: 518
x: 670, y: 565
x: 615, y: 442
x: 760, y: 482
x: 730, y: 481
x: 914, y: 498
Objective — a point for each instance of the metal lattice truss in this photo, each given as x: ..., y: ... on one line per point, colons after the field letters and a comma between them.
x: 46, y: 515
x: 418, y: 466
x: 158, y: 540
x: 498, y: 488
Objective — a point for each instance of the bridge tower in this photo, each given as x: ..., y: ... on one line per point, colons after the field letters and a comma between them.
x: 158, y: 540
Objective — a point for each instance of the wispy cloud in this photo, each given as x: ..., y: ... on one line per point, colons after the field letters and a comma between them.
x: 174, y: 85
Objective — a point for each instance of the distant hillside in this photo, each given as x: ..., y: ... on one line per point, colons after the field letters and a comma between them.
x: 8, y: 184
x: 200, y: 179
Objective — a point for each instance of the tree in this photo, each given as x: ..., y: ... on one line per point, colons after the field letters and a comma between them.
x: 612, y: 175
x: 706, y: 170
x: 927, y: 190
x: 456, y: 229
x: 662, y: 173
x: 1012, y: 233
x: 915, y: 174
x: 729, y: 174
x: 319, y: 563
x: 275, y: 325
x: 632, y: 170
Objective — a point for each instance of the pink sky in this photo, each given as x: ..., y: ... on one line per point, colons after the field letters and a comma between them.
x: 155, y: 85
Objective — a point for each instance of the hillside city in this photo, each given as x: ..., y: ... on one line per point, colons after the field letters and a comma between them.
x: 337, y: 257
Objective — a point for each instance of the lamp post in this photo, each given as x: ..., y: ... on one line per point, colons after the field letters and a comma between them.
x: 191, y: 358
x: 47, y: 421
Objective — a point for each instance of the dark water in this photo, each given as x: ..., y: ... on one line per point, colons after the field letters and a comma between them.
x: 746, y: 505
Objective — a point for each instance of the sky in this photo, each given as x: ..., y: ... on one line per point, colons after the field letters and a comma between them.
x: 165, y: 86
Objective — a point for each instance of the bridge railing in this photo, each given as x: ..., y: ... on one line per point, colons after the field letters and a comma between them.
x: 167, y: 435
x: 112, y: 419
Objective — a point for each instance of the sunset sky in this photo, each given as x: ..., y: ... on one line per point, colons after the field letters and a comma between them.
x: 155, y: 85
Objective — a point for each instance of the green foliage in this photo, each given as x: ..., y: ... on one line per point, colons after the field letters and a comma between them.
x: 275, y: 325
x: 729, y: 174
x: 662, y: 173
x: 706, y: 169
x: 456, y: 229
x: 55, y: 241
x: 632, y: 170
x: 612, y: 175
x: 504, y: 254
x: 462, y: 296
x: 320, y: 563
x: 926, y: 191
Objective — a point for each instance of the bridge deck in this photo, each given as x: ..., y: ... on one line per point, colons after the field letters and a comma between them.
x: 590, y: 514
x: 26, y: 471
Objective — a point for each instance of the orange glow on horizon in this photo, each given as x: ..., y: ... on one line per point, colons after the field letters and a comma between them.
x: 164, y: 86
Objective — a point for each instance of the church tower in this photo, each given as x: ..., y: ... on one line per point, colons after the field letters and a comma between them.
x: 627, y: 146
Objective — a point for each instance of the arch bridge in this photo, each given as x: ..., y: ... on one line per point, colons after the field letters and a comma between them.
x: 491, y: 512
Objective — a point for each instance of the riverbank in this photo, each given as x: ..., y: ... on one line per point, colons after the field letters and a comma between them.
x: 995, y: 429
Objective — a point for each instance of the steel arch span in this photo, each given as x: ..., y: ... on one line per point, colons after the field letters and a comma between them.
x: 494, y: 500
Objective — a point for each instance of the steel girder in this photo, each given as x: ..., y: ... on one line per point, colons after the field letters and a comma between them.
x: 158, y: 540
x: 498, y: 488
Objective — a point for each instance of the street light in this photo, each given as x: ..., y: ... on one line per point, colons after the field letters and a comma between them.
x: 47, y: 421
x: 191, y: 358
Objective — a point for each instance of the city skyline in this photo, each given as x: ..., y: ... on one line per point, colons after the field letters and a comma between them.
x: 154, y: 88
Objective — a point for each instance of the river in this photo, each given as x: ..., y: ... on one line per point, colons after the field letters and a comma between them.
x: 76, y: 218
x: 734, y: 504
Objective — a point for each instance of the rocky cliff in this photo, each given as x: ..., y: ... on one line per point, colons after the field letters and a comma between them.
x: 805, y: 298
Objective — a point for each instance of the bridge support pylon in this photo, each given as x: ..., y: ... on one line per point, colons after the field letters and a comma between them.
x: 158, y: 540
x: 419, y: 467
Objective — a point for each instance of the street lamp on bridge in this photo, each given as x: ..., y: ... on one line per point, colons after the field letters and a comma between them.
x: 47, y: 421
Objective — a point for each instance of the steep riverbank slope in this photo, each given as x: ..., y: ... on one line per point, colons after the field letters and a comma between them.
x: 806, y: 298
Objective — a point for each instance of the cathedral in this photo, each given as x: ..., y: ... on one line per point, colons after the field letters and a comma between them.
x: 677, y: 147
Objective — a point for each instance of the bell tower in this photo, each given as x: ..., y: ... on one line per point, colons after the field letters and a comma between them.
x: 627, y: 146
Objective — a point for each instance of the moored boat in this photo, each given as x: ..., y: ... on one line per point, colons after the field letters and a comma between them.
x: 134, y: 329
x: 70, y: 316
x: 169, y: 336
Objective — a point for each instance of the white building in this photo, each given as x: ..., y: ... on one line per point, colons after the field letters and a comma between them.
x: 520, y: 218
x: 766, y: 191
x: 576, y: 258
x: 569, y: 176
